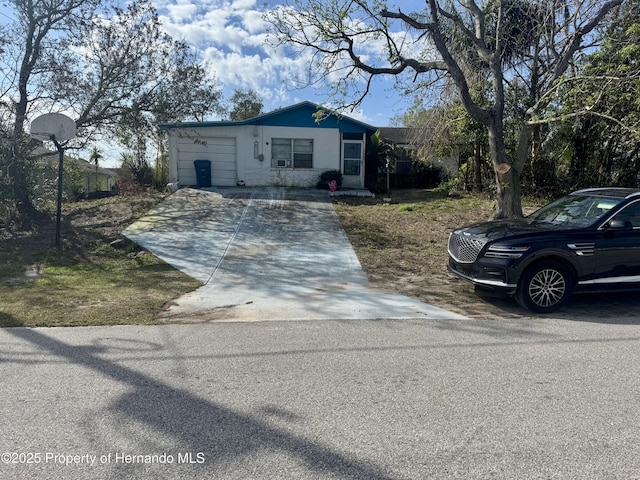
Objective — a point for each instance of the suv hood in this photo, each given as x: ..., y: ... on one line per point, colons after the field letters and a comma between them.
x: 497, y: 229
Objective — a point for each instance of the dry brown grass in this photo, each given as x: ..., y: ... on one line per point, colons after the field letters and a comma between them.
x: 402, y: 245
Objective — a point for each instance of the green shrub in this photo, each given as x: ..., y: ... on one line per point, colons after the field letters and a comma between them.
x: 327, y: 177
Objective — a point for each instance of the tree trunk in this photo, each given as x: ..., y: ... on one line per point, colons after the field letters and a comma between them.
x: 18, y: 169
x: 509, y: 191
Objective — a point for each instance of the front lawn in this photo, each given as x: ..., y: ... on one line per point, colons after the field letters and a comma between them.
x: 88, y: 281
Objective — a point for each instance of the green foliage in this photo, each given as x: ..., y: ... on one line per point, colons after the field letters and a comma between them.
x: 412, y: 207
x: 600, y: 145
x: 245, y: 105
x: 17, y: 180
x: 138, y: 168
x: 422, y: 175
x: 45, y: 174
x: 7, y: 207
x: 448, y: 131
x: 519, y: 27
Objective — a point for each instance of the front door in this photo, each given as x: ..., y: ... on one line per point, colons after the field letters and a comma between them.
x: 353, y: 163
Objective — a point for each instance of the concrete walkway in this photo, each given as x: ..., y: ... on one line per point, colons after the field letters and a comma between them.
x: 265, y: 254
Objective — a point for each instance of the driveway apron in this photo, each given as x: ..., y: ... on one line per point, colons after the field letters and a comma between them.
x: 265, y: 254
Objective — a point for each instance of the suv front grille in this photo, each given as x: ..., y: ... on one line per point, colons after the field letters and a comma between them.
x: 464, y: 249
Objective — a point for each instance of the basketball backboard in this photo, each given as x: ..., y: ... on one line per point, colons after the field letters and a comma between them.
x: 61, y: 127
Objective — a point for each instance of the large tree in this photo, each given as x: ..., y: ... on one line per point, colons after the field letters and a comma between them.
x: 105, y: 66
x: 121, y: 63
x: 28, y: 45
x: 464, y: 42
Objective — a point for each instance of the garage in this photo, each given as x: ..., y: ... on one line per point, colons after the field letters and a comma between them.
x: 220, y: 151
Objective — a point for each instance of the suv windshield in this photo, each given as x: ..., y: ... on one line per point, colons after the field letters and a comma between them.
x: 575, y: 210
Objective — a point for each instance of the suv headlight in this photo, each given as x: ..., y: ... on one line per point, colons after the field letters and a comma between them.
x: 505, y: 251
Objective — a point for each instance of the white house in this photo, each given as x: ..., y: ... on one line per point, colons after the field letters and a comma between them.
x: 88, y: 180
x: 95, y: 178
x: 286, y: 147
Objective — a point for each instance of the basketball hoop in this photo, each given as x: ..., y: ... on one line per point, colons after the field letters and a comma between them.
x: 55, y: 127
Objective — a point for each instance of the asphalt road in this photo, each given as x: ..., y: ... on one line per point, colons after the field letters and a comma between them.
x: 350, y: 399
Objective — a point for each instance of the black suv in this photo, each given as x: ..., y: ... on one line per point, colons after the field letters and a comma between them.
x: 586, y: 241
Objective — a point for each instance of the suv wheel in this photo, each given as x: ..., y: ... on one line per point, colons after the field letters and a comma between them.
x: 545, y: 287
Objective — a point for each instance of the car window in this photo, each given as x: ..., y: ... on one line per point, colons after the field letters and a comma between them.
x: 575, y: 210
x: 630, y: 215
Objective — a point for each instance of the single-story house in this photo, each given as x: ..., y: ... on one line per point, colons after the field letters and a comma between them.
x: 95, y: 178
x: 81, y: 178
x: 286, y: 147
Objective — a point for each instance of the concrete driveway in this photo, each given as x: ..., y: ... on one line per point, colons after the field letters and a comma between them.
x: 265, y: 254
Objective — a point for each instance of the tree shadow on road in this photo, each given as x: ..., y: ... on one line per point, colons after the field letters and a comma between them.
x: 198, y: 425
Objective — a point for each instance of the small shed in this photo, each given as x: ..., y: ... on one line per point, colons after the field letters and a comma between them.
x: 286, y: 147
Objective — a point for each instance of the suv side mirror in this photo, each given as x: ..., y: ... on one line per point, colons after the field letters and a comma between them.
x: 617, y: 224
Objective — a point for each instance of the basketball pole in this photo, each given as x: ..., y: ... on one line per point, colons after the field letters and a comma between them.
x: 59, y: 205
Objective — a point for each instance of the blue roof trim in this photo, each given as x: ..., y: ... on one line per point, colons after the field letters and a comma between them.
x: 298, y: 115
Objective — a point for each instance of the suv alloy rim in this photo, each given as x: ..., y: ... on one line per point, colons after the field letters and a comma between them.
x: 547, y: 287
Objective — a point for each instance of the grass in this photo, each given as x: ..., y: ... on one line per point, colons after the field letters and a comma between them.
x: 87, y: 281
x: 402, y: 243
x: 402, y: 246
x: 405, y: 235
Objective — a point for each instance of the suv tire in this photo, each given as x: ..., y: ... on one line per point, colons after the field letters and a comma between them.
x: 544, y: 287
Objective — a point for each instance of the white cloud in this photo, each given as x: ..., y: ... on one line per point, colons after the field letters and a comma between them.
x: 230, y: 36
x: 181, y: 12
x: 254, y: 22
x: 243, y: 4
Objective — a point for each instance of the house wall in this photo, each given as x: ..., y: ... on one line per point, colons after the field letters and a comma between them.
x: 93, y: 182
x: 252, y: 153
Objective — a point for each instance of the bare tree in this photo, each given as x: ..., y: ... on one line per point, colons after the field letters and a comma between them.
x: 34, y: 45
x: 353, y: 41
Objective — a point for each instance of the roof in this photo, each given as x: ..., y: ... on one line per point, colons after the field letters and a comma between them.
x: 397, y: 135
x: 89, y: 167
x: 298, y: 115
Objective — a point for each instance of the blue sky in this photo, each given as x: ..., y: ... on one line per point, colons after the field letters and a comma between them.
x: 230, y: 35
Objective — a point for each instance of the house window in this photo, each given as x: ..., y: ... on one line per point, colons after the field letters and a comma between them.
x: 291, y: 153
